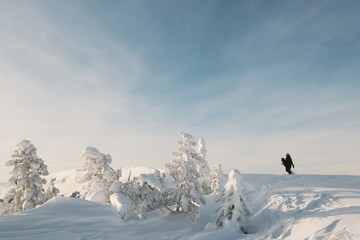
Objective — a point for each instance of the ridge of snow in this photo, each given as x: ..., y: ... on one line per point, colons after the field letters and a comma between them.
x: 68, y: 181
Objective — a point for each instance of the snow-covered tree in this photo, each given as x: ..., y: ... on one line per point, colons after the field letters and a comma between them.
x: 187, y: 192
x: 216, y: 179
x: 50, y: 190
x: 99, y: 175
x: 233, y: 211
x: 139, y: 195
x: 26, y: 179
x: 203, y: 167
x: 150, y: 187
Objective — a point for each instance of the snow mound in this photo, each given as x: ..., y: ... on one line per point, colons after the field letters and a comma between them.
x: 68, y: 182
x: 100, y: 196
x: 122, y: 204
x: 61, y: 218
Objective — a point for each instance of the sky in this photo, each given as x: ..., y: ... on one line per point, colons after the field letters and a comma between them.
x: 255, y: 79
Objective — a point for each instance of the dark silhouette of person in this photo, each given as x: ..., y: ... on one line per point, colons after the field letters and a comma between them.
x: 287, y: 162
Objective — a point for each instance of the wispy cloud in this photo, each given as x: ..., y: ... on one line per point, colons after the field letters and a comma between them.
x: 262, y: 79
x: 57, y: 89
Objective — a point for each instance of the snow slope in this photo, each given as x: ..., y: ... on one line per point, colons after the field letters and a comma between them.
x: 283, y: 207
x: 305, y: 207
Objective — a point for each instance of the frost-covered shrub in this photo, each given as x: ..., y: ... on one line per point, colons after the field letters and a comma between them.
x: 75, y: 194
x: 26, y: 179
x: 139, y: 195
x: 187, y: 191
x: 98, y: 175
x: 233, y: 211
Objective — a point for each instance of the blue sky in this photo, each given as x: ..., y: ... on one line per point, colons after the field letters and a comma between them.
x: 255, y: 79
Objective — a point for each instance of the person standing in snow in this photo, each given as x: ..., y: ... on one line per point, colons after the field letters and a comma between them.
x: 287, y: 162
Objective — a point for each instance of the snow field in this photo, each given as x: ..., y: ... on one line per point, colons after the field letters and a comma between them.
x: 282, y: 207
x: 306, y: 207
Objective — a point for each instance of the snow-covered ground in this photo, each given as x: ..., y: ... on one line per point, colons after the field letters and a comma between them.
x: 283, y: 207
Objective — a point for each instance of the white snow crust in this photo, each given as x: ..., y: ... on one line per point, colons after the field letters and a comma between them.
x: 282, y: 206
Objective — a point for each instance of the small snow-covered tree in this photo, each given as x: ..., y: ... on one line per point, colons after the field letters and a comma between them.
x: 26, y: 179
x: 187, y: 192
x: 99, y: 175
x: 216, y: 179
x: 233, y: 211
x: 203, y: 167
x: 50, y: 190
x: 150, y: 197
x: 139, y: 195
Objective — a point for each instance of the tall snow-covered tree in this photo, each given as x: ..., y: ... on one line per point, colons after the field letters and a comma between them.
x: 26, y: 179
x: 216, y: 179
x: 233, y: 211
x: 203, y: 167
x: 187, y: 191
x: 99, y: 175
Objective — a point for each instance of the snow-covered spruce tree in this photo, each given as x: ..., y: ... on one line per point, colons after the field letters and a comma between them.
x: 26, y: 179
x: 139, y: 195
x: 187, y: 192
x: 216, y: 179
x: 233, y: 211
x: 203, y: 168
x: 99, y: 175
